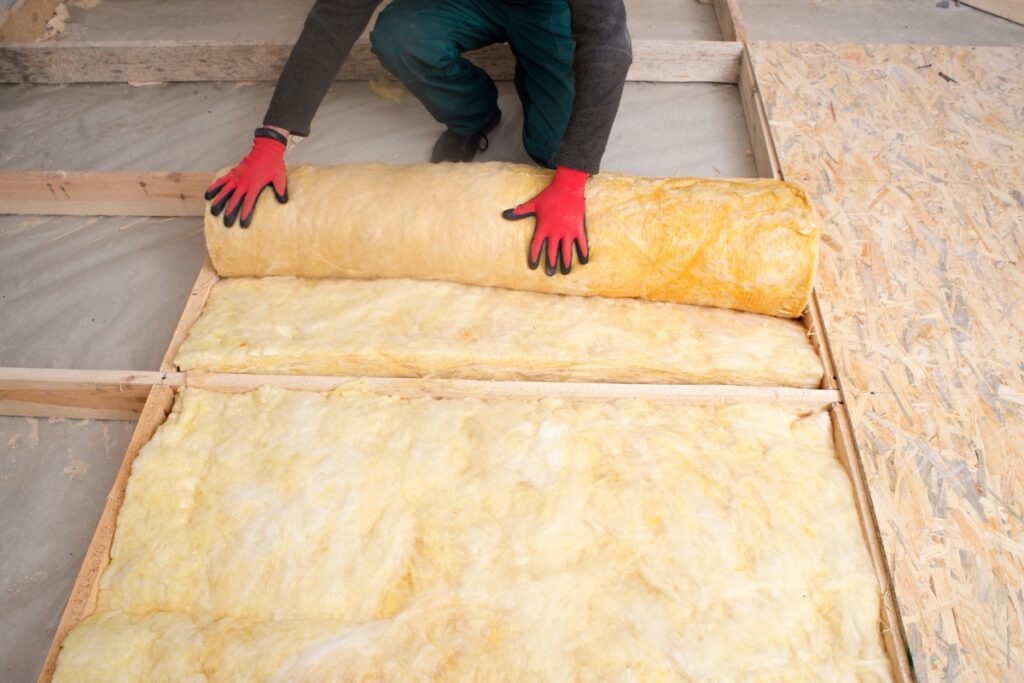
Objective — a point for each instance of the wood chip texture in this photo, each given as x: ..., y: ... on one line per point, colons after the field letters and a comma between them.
x: 914, y: 155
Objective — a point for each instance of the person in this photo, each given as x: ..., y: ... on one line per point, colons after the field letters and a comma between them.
x: 571, y: 62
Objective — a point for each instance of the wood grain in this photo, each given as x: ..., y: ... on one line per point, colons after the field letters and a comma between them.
x: 913, y: 156
x: 103, y: 193
x: 730, y: 21
x: 669, y: 61
x: 205, y: 281
x: 80, y: 394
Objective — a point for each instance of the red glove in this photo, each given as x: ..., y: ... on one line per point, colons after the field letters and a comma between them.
x: 241, y: 186
x: 561, y: 221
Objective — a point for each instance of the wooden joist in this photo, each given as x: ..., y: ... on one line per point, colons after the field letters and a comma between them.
x: 729, y: 20
x: 96, y: 394
x: 103, y: 193
x: 120, y: 395
x: 669, y: 61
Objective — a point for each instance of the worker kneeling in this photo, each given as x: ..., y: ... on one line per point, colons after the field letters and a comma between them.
x: 571, y: 62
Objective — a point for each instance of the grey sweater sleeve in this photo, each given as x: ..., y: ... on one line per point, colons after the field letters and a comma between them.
x: 603, y: 55
x: 332, y: 26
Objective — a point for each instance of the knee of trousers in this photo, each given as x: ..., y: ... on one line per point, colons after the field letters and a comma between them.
x: 404, y: 48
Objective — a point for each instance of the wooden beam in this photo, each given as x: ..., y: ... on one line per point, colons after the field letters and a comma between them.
x: 893, y: 636
x: 730, y: 20
x: 1007, y: 9
x: 205, y: 281
x: 761, y: 145
x: 82, y: 601
x: 26, y: 19
x: 671, y: 61
x: 683, y: 394
x: 90, y: 394
x: 120, y: 395
x: 103, y: 193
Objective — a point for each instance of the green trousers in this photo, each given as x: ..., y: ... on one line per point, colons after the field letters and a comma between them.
x: 422, y: 41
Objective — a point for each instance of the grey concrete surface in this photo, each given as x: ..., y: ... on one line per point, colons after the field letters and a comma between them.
x: 661, y: 129
x: 54, y: 478
x: 876, y: 21
x: 90, y: 292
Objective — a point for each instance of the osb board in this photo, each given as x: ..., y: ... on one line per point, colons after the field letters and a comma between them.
x: 915, y: 158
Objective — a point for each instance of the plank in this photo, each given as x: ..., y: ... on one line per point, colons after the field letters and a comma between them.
x: 893, y: 635
x: 82, y: 601
x: 761, y: 145
x: 205, y: 281
x: 1007, y: 9
x: 94, y: 391
x: 672, y: 61
x: 920, y: 286
x: 26, y: 19
x: 730, y: 20
x: 699, y: 394
x: 103, y: 193
x: 85, y: 394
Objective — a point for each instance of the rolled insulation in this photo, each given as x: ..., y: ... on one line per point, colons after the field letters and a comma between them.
x: 748, y: 245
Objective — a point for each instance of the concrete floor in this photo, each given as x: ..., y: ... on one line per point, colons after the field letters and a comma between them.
x: 54, y: 479
x: 54, y: 474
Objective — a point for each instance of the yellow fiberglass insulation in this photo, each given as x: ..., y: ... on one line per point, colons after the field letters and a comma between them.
x: 749, y: 244
x: 407, y: 328
x: 295, y: 536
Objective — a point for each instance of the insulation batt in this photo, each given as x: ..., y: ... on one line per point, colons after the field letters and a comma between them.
x: 296, y: 536
x: 750, y: 245
x: 409, y: 328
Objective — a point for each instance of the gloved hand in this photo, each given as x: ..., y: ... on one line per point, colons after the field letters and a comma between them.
x: 239, y: 189
x: 561, y: 221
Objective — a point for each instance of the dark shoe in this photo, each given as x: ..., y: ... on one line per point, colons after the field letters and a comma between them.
x: 452, y: 146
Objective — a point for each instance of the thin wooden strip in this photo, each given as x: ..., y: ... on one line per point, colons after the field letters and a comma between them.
x: 82, y: 601
x: 807, y: 399
x: 818, y: 337
x: 762, y: 146
x: 205, y: 281
x: 79, y: 394
x: 893, y: 635
x: 26, y: 19
x: 730, y: 20
x: 673, y: 61
x: 103, y: 193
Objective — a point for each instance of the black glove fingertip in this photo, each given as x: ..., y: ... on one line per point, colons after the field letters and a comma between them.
x: 511, y: 215
x: 212, y: 192
x: 231, y: 216
x: 219, y: 206
x: 583, y: 258
x: 540, y: 255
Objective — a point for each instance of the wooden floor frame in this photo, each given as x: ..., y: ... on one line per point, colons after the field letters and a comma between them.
x: 149, y: 395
